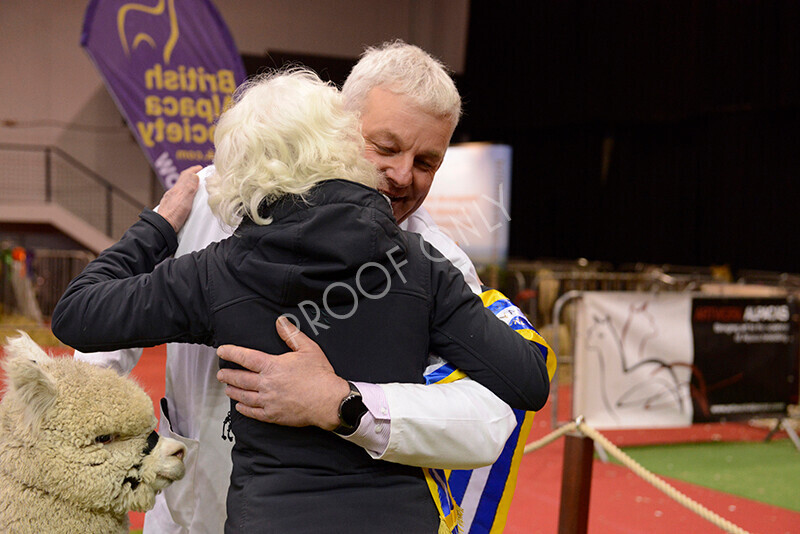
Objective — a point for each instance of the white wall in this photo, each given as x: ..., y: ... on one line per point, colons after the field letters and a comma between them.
x: 49, y: 90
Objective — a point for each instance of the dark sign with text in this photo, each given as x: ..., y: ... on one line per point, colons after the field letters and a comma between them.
x: 745, y: 357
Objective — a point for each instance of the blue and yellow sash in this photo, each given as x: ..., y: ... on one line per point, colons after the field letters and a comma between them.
x: 477, y: 501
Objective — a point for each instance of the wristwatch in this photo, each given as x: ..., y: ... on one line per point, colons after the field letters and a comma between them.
x: 351, y: 410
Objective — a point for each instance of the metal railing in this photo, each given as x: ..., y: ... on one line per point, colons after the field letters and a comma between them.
x: 47, y: 272
x: 53, y: 270
x: 39, y: 173
x: 541, y: 283
x: 546, y: 291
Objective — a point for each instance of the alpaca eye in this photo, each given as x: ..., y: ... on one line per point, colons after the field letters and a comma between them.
x: 105, y: 438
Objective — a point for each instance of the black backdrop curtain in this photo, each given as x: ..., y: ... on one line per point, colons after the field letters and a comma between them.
x: 694, y: 106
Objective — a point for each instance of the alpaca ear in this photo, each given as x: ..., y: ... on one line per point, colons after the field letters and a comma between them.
x: 28, y: 381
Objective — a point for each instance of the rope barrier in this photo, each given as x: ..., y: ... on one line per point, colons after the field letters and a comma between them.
x: 580, y: 425
x: 551, y: 437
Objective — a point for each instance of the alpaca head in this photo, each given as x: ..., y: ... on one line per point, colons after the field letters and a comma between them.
x: 81, y: 434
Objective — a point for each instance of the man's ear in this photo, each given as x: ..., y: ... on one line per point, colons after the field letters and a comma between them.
x: 31, y: 385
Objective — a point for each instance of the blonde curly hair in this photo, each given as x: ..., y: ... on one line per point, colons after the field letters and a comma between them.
x: 286, y: 132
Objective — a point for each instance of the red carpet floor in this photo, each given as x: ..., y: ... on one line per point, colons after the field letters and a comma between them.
x: 621, y: 502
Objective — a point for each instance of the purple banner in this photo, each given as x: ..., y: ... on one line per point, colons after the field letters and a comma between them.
x: 171, y: 66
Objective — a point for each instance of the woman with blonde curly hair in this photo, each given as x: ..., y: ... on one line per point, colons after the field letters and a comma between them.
x: 319, y: 244
x: 286, y: 132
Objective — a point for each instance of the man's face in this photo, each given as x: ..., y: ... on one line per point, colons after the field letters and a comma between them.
x: 406, y: 144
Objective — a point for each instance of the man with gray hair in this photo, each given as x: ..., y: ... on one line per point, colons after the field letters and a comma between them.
x: 409, y: 108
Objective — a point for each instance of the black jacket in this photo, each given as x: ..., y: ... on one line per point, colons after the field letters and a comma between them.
x: 376, y: 299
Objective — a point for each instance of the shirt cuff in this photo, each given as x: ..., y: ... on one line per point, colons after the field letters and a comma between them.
x: 375, y: 428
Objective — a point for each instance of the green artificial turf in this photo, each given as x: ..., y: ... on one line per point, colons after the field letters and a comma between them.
x: 765, y: 472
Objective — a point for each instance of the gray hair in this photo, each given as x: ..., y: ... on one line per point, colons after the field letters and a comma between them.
x: 407, y: 70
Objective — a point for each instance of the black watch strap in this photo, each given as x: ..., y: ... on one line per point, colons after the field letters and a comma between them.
x: 351, y: 410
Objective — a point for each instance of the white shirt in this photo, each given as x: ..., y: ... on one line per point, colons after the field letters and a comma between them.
x: 460, y: 425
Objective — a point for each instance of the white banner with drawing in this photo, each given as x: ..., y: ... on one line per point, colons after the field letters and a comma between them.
x: 633, y: 360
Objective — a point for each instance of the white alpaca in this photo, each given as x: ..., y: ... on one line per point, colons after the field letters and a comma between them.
x: 77, y: 446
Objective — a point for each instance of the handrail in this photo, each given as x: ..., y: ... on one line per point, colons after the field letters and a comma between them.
x: 554, y: 343
x: 116, y: 210
x: 75, y: 163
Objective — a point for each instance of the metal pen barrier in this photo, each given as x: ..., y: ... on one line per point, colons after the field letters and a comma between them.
x: 546, y: 291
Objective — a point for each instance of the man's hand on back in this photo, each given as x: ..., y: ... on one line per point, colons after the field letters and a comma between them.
x: 298, y: 388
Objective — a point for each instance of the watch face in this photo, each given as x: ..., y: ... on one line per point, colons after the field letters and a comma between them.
x: 353, y: 409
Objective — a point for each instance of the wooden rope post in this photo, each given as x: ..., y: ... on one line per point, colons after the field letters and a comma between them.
x: 576, y: 483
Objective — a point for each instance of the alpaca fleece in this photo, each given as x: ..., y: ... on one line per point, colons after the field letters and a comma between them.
x: 77, y: 446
